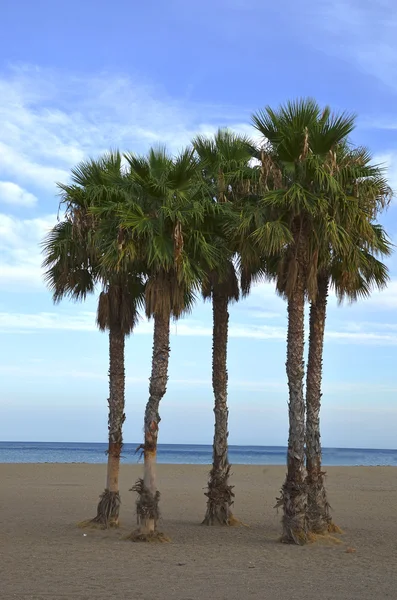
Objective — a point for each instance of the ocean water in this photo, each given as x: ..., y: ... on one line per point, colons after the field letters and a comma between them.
x: 70, y: 452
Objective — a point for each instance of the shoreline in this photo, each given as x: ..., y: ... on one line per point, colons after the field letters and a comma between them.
x: 199, y: 465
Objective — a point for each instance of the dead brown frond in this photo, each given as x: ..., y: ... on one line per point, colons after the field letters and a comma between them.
x: 234, y: 522
x: 291, y: 275
x: 305, y: 149
x: 164, y: 294
x: 332, y: 528
x: 221, y: 187
x: 312, y: 276
x: 103, y: 311
x: 323, y: 539
x: 178, y: 243
x: 117, y: 306
x: 271, y: 174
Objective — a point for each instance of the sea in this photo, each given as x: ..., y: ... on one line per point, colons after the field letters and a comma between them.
x: 95, y: 453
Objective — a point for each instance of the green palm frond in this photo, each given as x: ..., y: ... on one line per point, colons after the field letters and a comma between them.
x: 74, y: 250
x: 317, y: 185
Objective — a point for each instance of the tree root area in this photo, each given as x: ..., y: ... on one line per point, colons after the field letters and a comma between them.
x: 147, y: 504
x: 152, y: 537
x: 108, y: 510
x: 318, y: 507
x: 323, y: 539
x: 216, y: 520
x: 220, y: 500
x: 293, y: 500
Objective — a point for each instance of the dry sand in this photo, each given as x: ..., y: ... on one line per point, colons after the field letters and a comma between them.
x: 43, y: 555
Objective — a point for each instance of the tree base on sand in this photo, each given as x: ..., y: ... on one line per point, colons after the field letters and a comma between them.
x: 333, y: 528
x: 148, y: 515
x: 319, y: 519
x: 108, y: 511
x: 293, y: 500
x: 318, y: 508
x: 220, y: 500
x: 324, y: 539
x: 153, y: 536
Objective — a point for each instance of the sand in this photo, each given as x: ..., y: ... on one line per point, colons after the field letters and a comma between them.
x: 43, y: 555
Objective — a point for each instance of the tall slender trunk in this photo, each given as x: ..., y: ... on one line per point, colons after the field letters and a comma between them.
x: 318, y: 508
x: 220, y: 495
x: 148, y: 495
x: 109, y: 503
x: 293, y: 496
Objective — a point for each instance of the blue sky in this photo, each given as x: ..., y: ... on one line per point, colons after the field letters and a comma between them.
x: 77, y: 78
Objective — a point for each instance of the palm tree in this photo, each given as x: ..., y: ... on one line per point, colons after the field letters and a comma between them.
x: 298, y: 138
x: 163, y: 222
x: 352, y: 274
x: 73, y: 269
x: 224, y: 162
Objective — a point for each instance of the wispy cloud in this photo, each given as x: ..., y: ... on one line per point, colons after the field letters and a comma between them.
x: 20, y: 265
x: 52, y: 120
x: 84, y: 321
x: 244, y: 385
x: 361, y: 32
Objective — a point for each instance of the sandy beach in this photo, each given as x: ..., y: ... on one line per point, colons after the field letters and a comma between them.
x: 43, y: 555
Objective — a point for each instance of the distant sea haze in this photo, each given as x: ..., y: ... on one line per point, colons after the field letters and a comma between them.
x: 71, y: 452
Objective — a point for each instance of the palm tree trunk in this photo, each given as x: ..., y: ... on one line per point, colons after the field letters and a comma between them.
x: 109, y: 504
x: 220, y: 495
x: 148, y: 496
x: 318, y: 508
x: 293, y: 495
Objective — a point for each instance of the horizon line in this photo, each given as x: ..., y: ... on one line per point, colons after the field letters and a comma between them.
x: 209, y: 445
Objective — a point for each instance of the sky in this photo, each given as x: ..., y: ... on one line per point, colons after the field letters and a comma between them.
x: 79, y: 78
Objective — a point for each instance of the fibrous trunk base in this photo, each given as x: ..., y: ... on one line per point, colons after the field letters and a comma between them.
x: 148, y: 515
x: 293, y: 500
x: 147, y: 504
x: 213, y: 519
x: 108, y: 511
x: 220, y: 500
x: 318, y: 508
x: 153, y: 536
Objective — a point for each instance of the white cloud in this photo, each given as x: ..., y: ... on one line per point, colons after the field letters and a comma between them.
x: 11, y: 193
x: 386, y: 299
x: 266, y: 385
x: 197, y: 329
x: 85, y: 321
x: 20, y: 257
x: 362, y: 337
x: 25, y: 322
x: 51, y: 120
